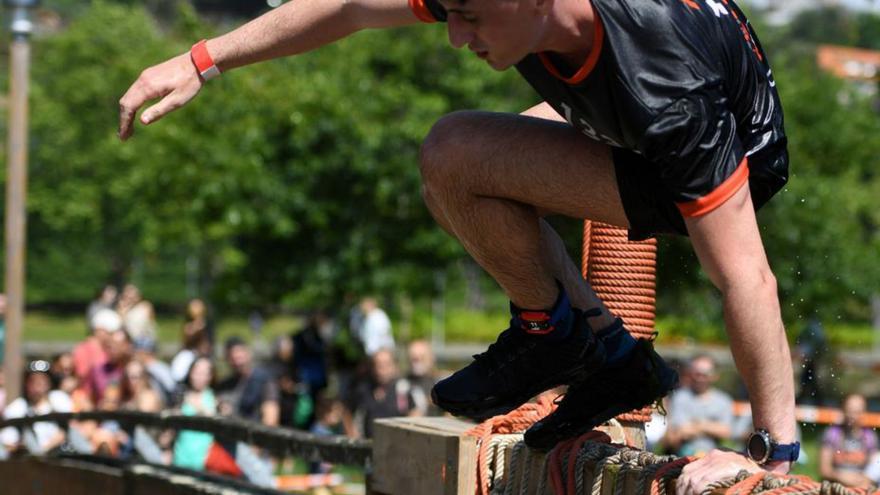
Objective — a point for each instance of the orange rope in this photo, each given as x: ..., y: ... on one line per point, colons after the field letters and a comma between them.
x: 658, y: 476
x: 518, y: 420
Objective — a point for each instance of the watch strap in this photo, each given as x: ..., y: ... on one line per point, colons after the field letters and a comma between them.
x: 203, y: 61
x: 785, y: 452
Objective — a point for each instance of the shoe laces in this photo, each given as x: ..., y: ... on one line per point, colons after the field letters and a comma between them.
x: 509, y: 347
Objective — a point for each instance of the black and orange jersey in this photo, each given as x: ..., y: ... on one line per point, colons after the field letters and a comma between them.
x: 683, y: 83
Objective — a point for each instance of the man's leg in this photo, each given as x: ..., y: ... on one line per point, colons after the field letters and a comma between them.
x: 489, y: 177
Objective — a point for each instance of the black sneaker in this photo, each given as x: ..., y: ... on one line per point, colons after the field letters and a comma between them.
x: 517, y: 367
x: 642, y: 380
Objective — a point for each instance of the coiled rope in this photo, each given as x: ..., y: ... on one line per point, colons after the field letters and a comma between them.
x: 623, y: 275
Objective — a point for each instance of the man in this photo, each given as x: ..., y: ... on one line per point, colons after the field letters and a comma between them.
x: 90, y: 353
x: 119, y: 352
x: 671, y: 110
x: 384, y: 395
x: 700, y: 416
x: 421, y: 374
x: 250, y: 391
x: 374, y: 330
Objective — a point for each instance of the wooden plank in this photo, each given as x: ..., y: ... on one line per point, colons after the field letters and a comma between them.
x: 429, y: 456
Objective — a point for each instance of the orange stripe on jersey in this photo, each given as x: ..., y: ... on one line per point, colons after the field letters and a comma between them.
x: 692, y: 4
x: 721, y: 193
x: 592, y: 58
x: 421, y: 11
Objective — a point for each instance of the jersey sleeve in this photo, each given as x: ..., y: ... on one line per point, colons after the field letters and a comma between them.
x: 428, y: 10
x: 694, y: 142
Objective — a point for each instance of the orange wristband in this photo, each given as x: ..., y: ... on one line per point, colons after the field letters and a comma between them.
x: 203, y: 61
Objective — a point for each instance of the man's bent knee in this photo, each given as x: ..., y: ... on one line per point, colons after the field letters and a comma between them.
x: 443, y: 156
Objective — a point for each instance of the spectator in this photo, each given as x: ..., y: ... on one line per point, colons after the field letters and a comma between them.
x: 91, y: 353
x: 847, y: 448
x: 158, y: 372
x: 195, y: 344
x: 139, y: 393
x: 138, y: 315
x: 422, y: 376
x: 250, y: 392
x: 119, y: 353
x: 310, y: 353
x: 700, y: 416
x: 39, y: 399
x: 374, y: 331
x: 191, y: 447
x: 295, y: 401
x: 63, y: 373
x: 104, y: 299
x: 328, y: 421
x: 385, y: 395
x: 197, y: 320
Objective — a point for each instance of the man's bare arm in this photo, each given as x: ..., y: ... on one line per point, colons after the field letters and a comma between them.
x: 728, y: 243
x: 293, y: 28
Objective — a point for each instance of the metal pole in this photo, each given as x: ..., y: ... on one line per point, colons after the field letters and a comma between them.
x: 16, y: 190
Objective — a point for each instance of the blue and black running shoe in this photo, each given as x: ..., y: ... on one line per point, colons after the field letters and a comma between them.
x: 640, y: 381
x: 517, y: 367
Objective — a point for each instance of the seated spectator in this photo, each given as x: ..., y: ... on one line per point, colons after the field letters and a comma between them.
x: 385, y: 395
x: 250, y: 391
x: 422, y: 376
x: 700, y: 416
x: 328, y: 421
x: 91, y: 352
x: 39, y: 399
x: 63, y: 373
x: 119, y: 353
x: 104, y: 299
x: 194, y: 345
x: 847, y: 448
x: 138, y: 391
x: 191, y: 447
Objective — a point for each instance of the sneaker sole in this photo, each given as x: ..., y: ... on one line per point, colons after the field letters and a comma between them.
x: 667, y: 381
x: 575, y: 375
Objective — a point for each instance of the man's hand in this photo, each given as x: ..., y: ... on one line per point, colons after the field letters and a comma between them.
x: 717, y: 465
x: 175, y: 81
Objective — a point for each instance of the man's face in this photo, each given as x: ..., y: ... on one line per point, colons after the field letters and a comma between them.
x: 853, y: 409
x: 421, y: 360
x: 119, y: 347
x: 384, y: 369
x: 501, y: 32
x: 239, y: 358
x: 37, y: 386
x: 702, y: 375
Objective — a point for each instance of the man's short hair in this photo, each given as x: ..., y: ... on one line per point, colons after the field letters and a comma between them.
x: 703, y: 356
x: 231, y: 342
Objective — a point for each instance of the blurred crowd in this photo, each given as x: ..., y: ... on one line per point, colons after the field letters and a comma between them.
x: 323, y: 378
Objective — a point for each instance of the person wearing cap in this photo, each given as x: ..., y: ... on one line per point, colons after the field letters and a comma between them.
x: 38, y: 399
x: 90, y: 353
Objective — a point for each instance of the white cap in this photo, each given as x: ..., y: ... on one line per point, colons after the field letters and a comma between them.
x: 107, y: 320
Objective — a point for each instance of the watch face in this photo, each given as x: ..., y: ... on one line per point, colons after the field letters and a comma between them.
x: 759, y: 450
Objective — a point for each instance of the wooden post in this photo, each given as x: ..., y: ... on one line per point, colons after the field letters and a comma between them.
x: 16, y: 186
x: 428, y: 456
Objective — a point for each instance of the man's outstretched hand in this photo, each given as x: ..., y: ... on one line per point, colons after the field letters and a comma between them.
x: 716, y: 465
x: 175, y: 81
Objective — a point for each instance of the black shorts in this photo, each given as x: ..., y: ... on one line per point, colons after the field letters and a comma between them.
x: 649, y: 206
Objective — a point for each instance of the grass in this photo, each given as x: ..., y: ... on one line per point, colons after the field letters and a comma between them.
x: 46, y: 327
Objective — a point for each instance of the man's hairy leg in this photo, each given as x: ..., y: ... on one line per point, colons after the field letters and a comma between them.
x: 489, y: 177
